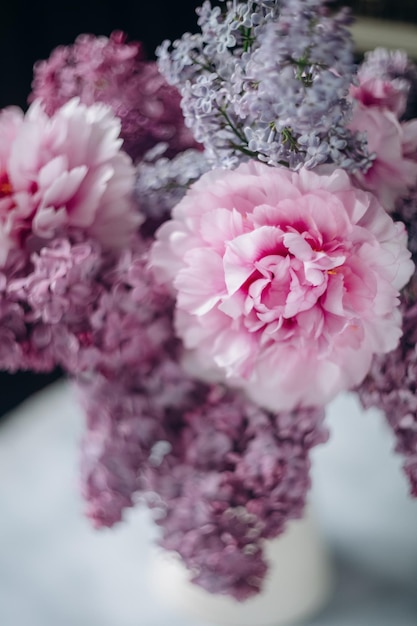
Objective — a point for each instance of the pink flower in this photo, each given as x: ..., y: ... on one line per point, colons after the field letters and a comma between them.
x: 287, y: 281
x: 387, y: 79
x: 61, y: 174
x: 393, y: 173
x: 382, y: 93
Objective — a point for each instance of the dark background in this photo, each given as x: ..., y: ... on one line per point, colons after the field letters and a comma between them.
x: 30, y: 30
x: 405, y: 10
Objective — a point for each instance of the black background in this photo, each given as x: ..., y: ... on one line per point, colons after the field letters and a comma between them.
x: 30, y: 30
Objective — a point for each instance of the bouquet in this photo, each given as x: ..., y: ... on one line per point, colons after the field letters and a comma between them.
x: 213, y: 247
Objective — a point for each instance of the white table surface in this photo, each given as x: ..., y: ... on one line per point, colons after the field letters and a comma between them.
x: 56, y: 571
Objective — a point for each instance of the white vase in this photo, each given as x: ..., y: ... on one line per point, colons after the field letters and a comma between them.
x: 298, y: 585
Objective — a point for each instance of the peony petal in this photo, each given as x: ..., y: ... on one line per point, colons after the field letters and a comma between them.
x: 64, y: 186
x: 242, y: 252
x: 201, y: 285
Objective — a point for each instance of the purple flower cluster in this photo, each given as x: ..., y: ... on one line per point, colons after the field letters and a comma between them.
x: 83, y: 309
x: 129, y: 321
x: 391, y: 386
x: 268, y: 80
x: 235, y: 475
x: 24, y: 344
x: 161, y: 184
x: 221, y: 474
x: 109, y: 70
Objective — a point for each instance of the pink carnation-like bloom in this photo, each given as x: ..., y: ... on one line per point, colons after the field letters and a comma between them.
x: 393, y: 173
x: 61, y: 174
x: 288, y: 281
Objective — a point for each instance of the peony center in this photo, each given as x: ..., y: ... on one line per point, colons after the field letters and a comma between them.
x: 6, y: 188
x: 290, y: 281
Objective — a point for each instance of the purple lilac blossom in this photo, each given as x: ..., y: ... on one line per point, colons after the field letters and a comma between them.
x: 125, y: 430
x: 109, y: 70
x: 23, y: 345
x: 406, y: 211
x: 235, y: 474
x: 121, y: 428
x: 221, y: 474
x: 84, y: 309
x: 54, y: 293
x: 260, y: 76
x: 130, y: 321
x: 391, y: 386
x: 161, y: 183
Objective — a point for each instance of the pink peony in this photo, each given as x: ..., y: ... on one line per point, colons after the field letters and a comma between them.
x: 393, y: 173
x: 64, y: 173
x: 387, y: 94
x: 287, y: 281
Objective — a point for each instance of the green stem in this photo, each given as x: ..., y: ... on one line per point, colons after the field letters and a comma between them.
x: 250, y: 153
x: 232, y: 127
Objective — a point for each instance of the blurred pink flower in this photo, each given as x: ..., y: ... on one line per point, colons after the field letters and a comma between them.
x: 287, y: 280
x: 393, y: 173
x: 387, y: 94
x: 387, y: 78
x: 63, y: 173
x: 112, y: 71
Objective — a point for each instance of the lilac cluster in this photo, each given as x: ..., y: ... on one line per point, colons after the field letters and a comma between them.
x: 130, y: 320
x: 406, y: 212
x: 109, y: 70
x: 268, y: 80
x: 25, y: 341
x: 162, y: 182
x: 221, y: 474
x: 86, y: 310
x: 124, y: 431
x: 234, y: 476
x: 113, y: 449
x: 391, y: 386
